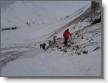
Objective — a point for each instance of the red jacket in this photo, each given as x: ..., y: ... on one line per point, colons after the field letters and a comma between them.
x: 66, y: 34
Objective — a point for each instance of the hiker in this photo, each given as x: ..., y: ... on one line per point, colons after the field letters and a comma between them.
x: 40, y: 46
x: 43, y: 46
x: 66, y: 36
x: 50, y: 42
x: 28, y: 23
x: 54, y: 39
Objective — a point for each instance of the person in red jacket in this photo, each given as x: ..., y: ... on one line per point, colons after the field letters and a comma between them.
x: 66, y: 35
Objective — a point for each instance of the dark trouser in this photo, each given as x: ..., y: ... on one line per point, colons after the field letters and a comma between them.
x: 66, y: 41
x: 42, y: 46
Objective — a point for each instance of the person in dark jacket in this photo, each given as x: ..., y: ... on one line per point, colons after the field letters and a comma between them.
x: 66, y: 35
x: 43, y: 46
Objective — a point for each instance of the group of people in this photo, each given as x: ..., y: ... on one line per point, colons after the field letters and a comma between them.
x: 66, y: 36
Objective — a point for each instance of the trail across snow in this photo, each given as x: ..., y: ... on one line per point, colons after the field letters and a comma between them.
x: 55, y: 63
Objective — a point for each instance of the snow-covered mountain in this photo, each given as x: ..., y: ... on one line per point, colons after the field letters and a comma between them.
x: 23, y: 56
x: 39, y: 19
x: 21, y: 12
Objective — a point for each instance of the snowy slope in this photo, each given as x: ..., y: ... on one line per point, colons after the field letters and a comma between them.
x: 54, y: 62
x: 21, y: 55
x: 20, y: 12
x: 33, y: 33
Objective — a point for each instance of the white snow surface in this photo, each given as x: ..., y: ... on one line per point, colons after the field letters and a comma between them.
x: 42, y: 25
x: 33, y: 61
x: 54, y: 62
